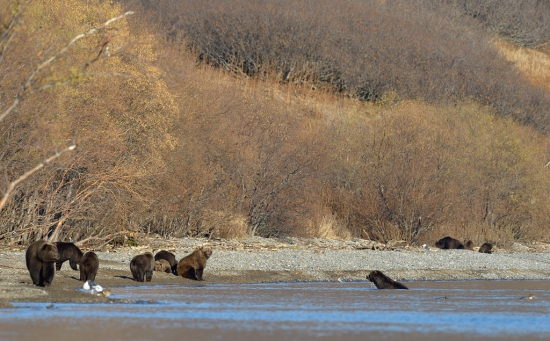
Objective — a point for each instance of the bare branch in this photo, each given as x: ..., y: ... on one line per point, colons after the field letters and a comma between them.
x: 25, y: 88
x: 9, y: 32
x: 13, y: 184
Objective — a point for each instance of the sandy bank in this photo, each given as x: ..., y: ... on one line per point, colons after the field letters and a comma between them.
x: 256, y: 261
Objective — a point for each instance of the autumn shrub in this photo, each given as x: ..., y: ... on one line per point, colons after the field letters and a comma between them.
x: 100, y: 95
x: 363, y: 49
x: 416, y: 171
x: 169, y: 146
x: 524, y: 22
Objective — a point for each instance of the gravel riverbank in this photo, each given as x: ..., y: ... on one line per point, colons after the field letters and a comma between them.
x: 267, y: 260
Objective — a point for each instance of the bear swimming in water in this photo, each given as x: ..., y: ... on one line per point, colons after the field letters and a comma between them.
x: 382, y: 281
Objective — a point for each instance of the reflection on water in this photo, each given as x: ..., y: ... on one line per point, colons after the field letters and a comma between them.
x: 305, y: 311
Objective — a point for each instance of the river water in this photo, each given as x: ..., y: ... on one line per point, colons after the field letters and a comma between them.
x: 295, y: 311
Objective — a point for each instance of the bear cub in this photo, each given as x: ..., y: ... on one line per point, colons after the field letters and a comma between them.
x: 89, y: 263
x: 142, y: 267
x: 486, y: 248
x: 162, y: 265
x: 170, y: 258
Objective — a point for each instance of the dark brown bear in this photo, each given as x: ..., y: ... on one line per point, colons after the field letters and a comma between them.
x: 142, y: 267
x: 40, y: 258
x: 192, y: 265
x: 162, y: 265
x: 70, y: 252
x: 89, y: 263
x: 448, y: 243
x: 384, y: 282
x: 486, y: 248
x: 170, y: 258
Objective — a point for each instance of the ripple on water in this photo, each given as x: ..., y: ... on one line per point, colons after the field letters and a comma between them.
x: 311, y: 310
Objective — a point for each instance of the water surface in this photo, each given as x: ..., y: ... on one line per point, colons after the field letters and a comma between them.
x: 292, y: 311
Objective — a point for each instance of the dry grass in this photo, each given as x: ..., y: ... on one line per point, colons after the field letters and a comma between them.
x: 534, y: 64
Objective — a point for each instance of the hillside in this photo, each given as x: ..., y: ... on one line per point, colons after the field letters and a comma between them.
x: 376, y: 120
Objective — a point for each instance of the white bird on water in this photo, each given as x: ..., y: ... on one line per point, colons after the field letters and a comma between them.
x: 92, y: 287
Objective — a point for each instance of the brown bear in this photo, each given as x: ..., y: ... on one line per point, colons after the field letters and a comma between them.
x: 192, y: 265
x: 384, y: 282
x: 89, y: 263
x: 486, y: 248
x: 163, y: 266
x: 142, y: 267
x: 170, y: 258
x: 70, y: 252
x: 448, y: 243
x: 40, y: 258
x: 469, y: 245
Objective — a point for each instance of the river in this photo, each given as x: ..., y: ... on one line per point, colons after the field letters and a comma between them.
x: 295, y: 311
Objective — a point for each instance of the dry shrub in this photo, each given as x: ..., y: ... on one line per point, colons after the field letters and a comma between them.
x: 419, y: 50
x: 523, y: 22
x: 234, y: 228
x: 225, y: 224
x: 405, y: 171
x: 117, y: 111
x: 323, y: 224
x: 181, y: 150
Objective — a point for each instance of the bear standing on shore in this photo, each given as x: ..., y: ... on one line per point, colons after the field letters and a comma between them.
x: 40, y: 258
x: 89, y: 263
x: 170, y: 258
x: 384, y: 282
x: 142, y: 267
x: 192, y: 265
x: 70, y: 252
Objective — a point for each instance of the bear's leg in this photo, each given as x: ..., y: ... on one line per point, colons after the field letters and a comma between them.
x: 74, y: 264
x: 198, y: 274
x: 48, y: 272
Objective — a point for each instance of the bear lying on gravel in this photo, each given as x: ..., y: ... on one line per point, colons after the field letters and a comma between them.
x: 170, y: 258
x: 192, y: 265
x: 142, y: 267
x: 70, y: 252
x: 448, y: 243
x: 162, y: 265
x: 382, y: 281
x: 40, y: 258
x: 89, y: 263
x: 486, y: 248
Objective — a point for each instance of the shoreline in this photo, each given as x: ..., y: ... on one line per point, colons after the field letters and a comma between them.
x: 271, y: 261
